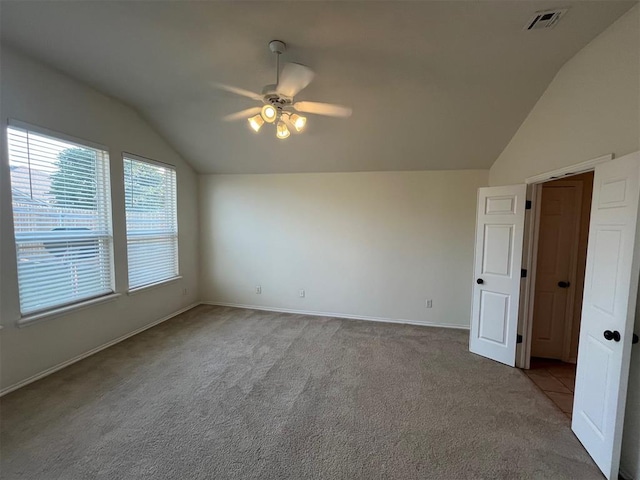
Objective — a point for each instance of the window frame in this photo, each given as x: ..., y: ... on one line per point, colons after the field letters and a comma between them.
x: 178, y: 274
x: 34, y: 316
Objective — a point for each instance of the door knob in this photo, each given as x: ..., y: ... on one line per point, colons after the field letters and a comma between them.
x: 564, y: 284
x: 479, y: 281
x: 609, y: 335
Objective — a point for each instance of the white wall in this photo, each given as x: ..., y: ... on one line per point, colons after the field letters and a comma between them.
x: 362, y: 244
x: 34, y: 93
x: 591, y: 108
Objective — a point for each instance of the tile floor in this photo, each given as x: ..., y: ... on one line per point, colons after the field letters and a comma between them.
x: 556, y: 379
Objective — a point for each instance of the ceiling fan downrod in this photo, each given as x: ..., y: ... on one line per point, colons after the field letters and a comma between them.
x: 278, y: 47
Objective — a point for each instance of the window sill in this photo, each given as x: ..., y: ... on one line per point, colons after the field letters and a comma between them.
x: 58, y: 312
x: 161, y: 283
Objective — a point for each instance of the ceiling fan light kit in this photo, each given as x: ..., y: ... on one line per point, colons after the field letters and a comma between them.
x: 269, y: 113
x: 256, y: 122
x: 278, y: 99
x: 298, y: 121
x: 282, y: 131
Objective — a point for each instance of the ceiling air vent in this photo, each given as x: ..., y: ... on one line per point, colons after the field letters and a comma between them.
x: 545, y: 19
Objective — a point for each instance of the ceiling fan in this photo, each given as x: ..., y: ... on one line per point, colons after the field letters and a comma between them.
x: 279, y: 106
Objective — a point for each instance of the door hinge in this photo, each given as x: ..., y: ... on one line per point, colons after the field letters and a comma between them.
x: 527, y: 205
x: 519, y: 338
x: 635, y: 339
x: 523, y: 273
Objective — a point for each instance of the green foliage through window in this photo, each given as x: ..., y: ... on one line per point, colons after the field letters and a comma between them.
x: 73, y: 184
x: 144, y: 186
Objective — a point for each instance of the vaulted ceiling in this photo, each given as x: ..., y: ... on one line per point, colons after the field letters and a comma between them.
x: 433, y: 84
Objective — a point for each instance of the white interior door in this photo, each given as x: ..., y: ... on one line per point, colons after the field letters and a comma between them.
x: 496, y: 283
x: 611, y: 283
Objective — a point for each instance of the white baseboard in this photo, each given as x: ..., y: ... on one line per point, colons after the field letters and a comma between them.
x: 338, y: 315
x: 77, y: 358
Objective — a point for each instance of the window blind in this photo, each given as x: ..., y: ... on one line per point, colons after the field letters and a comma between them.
x: 62, y: 219
x: 152, y: 223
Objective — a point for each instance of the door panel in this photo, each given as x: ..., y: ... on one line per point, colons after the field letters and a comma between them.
x: 609, y: 300
x: 498, y: 257
x: 606, y: 259
x: 494, y: 314
x: 598, y: 366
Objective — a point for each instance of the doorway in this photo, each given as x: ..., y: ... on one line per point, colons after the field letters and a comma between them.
x: 563, y: 208
x: 505, y: 264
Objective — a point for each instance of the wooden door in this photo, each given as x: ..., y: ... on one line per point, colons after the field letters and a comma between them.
x: 555, y: 270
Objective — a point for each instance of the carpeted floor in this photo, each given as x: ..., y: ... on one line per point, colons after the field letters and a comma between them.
x: 222, y: 393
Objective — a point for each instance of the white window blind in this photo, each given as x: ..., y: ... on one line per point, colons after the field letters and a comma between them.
x: 152, y: 223
x: 62, y: 219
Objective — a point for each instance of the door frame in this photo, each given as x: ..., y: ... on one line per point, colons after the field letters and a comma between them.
x: 530, y: 251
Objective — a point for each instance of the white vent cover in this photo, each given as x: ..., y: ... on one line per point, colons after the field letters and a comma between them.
x: 545, y: 19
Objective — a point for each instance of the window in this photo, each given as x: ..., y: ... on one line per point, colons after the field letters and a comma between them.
x: 62, y: 222
x: 152, y: 224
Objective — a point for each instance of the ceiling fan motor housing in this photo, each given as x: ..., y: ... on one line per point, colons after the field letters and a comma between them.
x: 275, y: 98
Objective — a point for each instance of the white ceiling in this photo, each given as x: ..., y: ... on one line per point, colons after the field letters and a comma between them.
x: 433, y: 85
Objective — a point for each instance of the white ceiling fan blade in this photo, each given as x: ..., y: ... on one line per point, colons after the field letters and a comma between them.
x: 293, y: 79
x: 249, y: 112
x: 319, y: 108
x: 239, y: 91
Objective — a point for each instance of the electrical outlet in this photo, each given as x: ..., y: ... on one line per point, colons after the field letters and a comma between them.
x: 258, y: 289
x: 301, y: 293
x: 429, y: 303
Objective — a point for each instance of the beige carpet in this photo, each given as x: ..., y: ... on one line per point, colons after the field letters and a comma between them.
x: 226, y: 393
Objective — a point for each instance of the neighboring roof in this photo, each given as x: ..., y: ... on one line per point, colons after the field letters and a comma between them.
x: 34, y: 185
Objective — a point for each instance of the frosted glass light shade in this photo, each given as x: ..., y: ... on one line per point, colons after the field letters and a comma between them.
x: 269, y: 113
x: 256, y: 122
x: 298, y: 121
x: 282, y: 131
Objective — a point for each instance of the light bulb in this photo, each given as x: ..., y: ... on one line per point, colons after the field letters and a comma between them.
x: 256, y: 122
x: 298, y: 121
x: 269, y: 113
x: 282, y: 131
